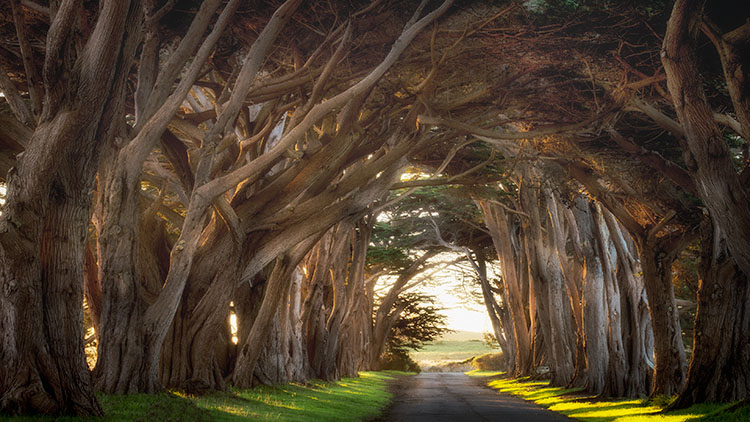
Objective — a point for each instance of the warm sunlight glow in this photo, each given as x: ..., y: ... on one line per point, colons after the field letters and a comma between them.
x: 461, y: 316
x: 233, y: 326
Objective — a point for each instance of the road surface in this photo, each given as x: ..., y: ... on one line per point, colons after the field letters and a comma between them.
x: 454, y: 396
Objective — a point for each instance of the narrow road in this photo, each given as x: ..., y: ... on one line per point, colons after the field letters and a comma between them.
x: 454, y: 396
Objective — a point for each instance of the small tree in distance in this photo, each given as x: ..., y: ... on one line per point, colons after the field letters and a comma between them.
x: 420, y: 322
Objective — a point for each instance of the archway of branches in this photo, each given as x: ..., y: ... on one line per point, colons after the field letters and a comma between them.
x: 169, y: 164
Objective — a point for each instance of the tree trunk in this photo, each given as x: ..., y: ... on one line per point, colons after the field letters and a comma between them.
x: 507, y: 247
x: 669, y: 351
x: 490, y: 304
x: 276, y: 287
x: 720, y: 365
x: 195, y: 353
x: 356, y: 333
x: 44, y: 365
x: 283, y: 359
x: 198, y: 350
x: 45, y: 219
x: 618, y: 365
x: 636, y: 322
x: 594, y: 301
x: 707, y: 154
x: 126, y: 353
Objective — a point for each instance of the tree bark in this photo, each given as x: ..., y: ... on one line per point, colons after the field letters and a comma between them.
x: 669, y: 351
x: 276, y: 285
x: 720, y: 366
x: 504, y: 240
x: 45, y: 220
x: 636, y: 321
x: 706, y: 152
x: 594, y: 301
x: 490, y: 304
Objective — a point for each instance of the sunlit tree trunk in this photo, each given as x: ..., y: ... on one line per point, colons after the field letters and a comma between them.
x: 657, y: 252
x: 508, y: 250
x: 636, y: 321
x: 494, y: 311
x: 554, y: 312
x: 277, y: 286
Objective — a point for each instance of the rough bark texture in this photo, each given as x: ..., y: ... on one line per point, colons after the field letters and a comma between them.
x: 706, y: 152
x: 276, y: 288
x: 594, y: 301
x: 720, y: 366
x: 196, y: 353
x: 507, y: 247
x: 669, y: 351
x: 45, y: 221
x: 636, y: 321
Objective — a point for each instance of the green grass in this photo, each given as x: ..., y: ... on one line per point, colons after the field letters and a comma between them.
x: 351, y: 399
x: 450, y: 350
x: 589, y: 409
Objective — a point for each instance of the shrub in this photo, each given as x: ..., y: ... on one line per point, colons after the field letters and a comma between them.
x: 489, y: 362
x: 399, y: 362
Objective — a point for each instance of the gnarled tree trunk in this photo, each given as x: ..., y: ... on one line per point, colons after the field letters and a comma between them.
x: 45, y: 219
x: 594, y: 301
x: 508, y: 249
x: 720, y: 366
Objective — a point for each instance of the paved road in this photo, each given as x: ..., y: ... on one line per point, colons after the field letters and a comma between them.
x: 453, y: 396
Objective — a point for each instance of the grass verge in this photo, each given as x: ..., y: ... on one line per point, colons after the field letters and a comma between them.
x: 590, y: 409
x: 350, y: 399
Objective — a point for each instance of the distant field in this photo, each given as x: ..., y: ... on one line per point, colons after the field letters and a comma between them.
x: 460, y: 335
x: 450, y: 350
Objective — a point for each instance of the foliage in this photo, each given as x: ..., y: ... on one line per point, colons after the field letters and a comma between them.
x: 351, y: 399
x: 409, y: 225
x: 399, y: 361
x: 420, y: 322
x: 490, y: 340
x: 590, y: 409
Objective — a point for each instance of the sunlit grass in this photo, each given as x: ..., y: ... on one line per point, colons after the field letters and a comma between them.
x: 351, y: 399
x: 590, y: 409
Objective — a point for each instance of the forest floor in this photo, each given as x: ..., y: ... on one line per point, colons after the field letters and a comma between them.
x: 589, y: 409
x: 347, y: 400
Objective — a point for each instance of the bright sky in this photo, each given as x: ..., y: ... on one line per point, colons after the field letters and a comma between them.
x: 447, y: 286
x: 460, y: 315
x: 451, y: 288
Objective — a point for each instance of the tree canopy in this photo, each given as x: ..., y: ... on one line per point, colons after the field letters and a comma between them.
x: 180, y: 162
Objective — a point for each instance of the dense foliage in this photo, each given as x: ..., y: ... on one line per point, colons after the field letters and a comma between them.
x: 420, y: 322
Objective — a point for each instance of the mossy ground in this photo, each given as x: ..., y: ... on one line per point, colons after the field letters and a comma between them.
x: 590, y: 409
x: 350, y: 399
